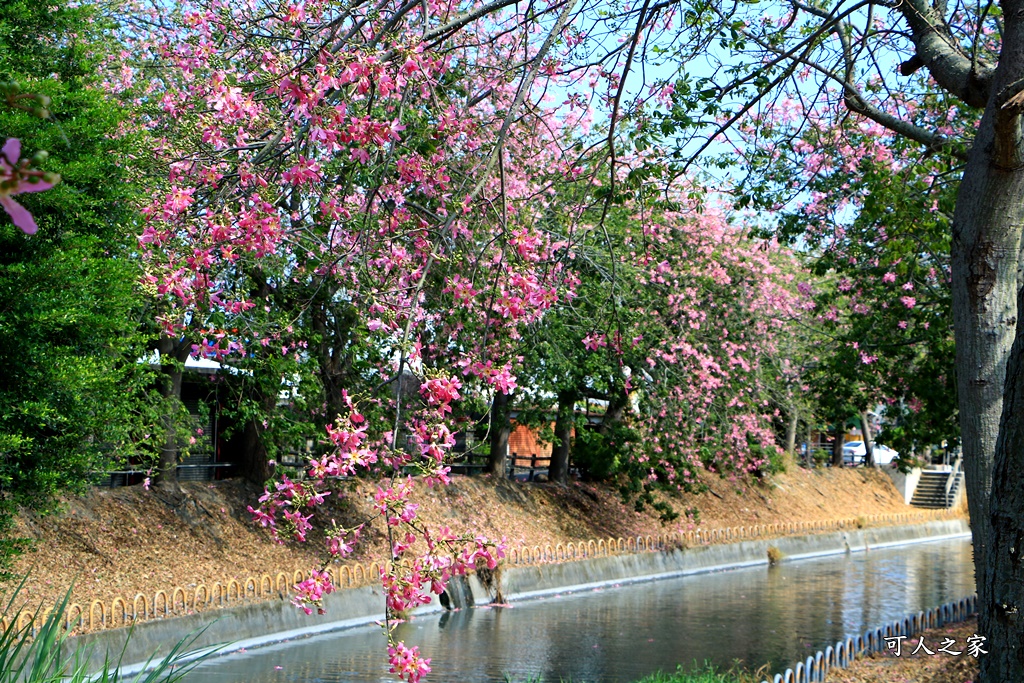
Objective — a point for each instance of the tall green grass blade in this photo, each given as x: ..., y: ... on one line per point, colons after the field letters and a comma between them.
x: 41, y: 655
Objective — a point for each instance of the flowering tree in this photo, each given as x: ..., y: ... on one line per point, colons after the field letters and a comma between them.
x: 964, y: 59
x: 873, y: 210
x: 674, y: 329
x: 353, y: 189
x: 720, y: 302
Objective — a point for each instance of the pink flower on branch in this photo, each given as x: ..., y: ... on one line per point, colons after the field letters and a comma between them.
x: 407, y: 663
x: 309, y: 594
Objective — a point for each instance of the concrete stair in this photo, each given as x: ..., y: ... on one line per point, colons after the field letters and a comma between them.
x: 931, y: 489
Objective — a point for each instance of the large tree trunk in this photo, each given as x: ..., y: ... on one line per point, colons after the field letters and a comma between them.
x: 501, y: 428
x: 791, y: 426
x: 559, y: 471
x: 987, y: 227
x: 173, y: 354
x: 986, y: 255
x: 617, y: 404
x: 1004, y: 572
x: 837, y: 445
x: 334, y: 324
x: 254, y: 462
x: 869, y: 446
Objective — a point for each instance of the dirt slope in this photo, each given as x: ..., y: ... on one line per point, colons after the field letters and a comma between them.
x: 128, y: 540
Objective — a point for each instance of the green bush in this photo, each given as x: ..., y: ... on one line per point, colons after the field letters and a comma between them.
x: 600, y: 456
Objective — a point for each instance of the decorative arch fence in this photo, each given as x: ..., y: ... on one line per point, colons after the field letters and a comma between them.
x: 175, y: 600
x: 816, y: 667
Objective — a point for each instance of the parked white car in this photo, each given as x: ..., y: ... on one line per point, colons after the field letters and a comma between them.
x: 854, y: 453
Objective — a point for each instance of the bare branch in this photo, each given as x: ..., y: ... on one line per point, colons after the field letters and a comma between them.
x: 967, y: 78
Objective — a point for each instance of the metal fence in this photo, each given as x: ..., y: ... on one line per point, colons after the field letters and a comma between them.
x: 816, y: 667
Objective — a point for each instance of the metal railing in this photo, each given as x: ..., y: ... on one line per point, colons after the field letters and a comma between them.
x: 535, y: 464
x: 816, y: 667
x: 951, y: 481
x: 110, y: 476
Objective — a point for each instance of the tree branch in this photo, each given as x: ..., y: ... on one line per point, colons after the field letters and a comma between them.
x: 967, y: 79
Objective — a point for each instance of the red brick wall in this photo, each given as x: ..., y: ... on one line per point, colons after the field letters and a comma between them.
x: 523, y: 442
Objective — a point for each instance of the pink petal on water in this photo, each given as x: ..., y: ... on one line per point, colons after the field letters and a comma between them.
x: 19, y: 214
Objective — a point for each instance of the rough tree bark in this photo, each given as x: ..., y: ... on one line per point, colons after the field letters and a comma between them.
x: 794, y: 422
x: 987, y: 227
x: 501, y: 429
x: 334, y: 324
x: 173, y: 354
x: 1004, y: 573
x: 617, y: 403
x: 559, y: 471
x: 254, y: 464
x: 837, y: 445
x: 869, y: 446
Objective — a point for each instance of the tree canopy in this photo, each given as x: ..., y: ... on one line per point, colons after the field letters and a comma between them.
x: 716, y: 219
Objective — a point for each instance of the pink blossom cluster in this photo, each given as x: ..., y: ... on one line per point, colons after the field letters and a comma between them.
x: 716, y: 306
x: 309, y: 594
x: 407, y: 662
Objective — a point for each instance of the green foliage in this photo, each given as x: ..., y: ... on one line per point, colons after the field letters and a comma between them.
x: 600, y: 455
x: 776, y: 458
x: 72, y: 395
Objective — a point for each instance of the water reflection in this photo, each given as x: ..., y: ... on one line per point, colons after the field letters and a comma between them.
x: 757, y: 615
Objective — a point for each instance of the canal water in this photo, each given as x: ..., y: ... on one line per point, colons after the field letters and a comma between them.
x: 757, y: 615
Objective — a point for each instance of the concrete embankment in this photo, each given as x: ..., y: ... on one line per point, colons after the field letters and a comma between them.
x: 261, y: 623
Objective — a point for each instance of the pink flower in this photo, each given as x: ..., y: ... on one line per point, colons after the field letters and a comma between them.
x: 15, y: 180
x: 441, y: 391
x: 310, y: 593
x: 593, y: 341
x: 407, y: 662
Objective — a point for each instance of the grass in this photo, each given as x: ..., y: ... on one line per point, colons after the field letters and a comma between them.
x: 43, y: 655
x: 705, y: 673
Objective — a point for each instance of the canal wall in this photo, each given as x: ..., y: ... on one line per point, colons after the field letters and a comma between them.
x: 260, y: 623
x: 522, y: 583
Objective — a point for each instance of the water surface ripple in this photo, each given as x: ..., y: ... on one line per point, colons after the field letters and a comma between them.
x: 756, y: 615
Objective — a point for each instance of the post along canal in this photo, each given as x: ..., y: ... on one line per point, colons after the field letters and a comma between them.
x: 778, y: 614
